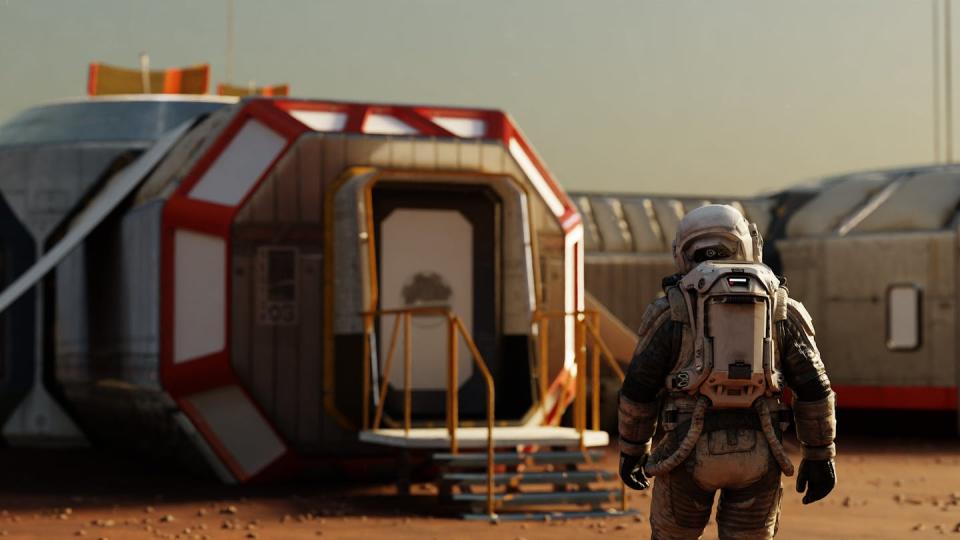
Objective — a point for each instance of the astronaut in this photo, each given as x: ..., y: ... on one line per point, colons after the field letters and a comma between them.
x: 714, y: 356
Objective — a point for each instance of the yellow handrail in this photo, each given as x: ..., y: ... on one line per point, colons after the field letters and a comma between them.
x: 586, y: 325
x: 456, y: 329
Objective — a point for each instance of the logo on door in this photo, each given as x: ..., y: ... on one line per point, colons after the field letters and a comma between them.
x: 426, y: 288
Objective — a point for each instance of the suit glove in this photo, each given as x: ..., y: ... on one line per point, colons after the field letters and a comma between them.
x: 631, y: 471
x: 816, y: 477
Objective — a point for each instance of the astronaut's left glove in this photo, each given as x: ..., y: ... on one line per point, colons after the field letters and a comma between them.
x: 816, y: 429
x: 817, y: 477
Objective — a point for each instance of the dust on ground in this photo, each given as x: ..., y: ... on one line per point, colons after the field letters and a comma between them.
x: 889, y: 488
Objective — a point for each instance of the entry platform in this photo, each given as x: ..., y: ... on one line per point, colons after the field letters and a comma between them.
x: 476, y: 437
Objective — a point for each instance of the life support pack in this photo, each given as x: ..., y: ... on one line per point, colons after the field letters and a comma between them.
x: 727, y: 353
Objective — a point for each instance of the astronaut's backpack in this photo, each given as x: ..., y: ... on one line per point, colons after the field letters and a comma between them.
x: 727, y: 350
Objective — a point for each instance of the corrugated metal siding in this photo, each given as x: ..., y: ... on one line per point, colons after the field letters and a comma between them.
x: 626, y: 283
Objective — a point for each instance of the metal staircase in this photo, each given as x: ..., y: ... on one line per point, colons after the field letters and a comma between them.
x: 532, y: 486
x: 502, y: 475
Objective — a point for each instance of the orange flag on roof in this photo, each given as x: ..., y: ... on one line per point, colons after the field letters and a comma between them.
x: 105, y: 79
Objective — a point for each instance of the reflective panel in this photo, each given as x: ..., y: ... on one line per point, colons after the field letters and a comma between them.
x: 240, y: 165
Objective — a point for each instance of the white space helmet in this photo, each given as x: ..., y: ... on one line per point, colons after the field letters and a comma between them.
x: 715, y: 231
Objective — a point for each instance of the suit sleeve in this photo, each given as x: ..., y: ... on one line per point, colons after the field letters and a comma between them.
x: 814, y: 407
x: 638, y: 407
x: 651, y: 363
x: 800, y: 361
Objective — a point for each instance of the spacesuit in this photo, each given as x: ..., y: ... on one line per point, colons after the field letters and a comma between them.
x: 714, y: 356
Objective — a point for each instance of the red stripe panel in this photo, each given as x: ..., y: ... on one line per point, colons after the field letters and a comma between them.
x: 896, y: 397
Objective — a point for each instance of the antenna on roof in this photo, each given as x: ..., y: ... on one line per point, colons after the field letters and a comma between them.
x: 230, y: 35
x: 948, y: 79
x: 935, y: 4
x: 145, y: 72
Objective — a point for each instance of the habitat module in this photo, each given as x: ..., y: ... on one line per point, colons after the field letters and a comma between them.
x: 206, y: 296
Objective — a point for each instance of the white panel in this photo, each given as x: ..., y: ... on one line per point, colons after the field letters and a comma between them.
x: 241, y: 163
x: 427, y: 259
x: 199, y: 295
x: 572, y: 284
x: 239, y: 427
x: 470, y: 128
x: 536, y: 178
x: 321, y: 120
x: 384, y: 124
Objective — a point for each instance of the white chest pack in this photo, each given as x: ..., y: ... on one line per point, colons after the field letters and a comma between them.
x: 727, y: 350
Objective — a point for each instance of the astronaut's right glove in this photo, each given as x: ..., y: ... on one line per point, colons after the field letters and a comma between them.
x: 817, y: 477
x: 637, y: 424
x: 631, y: 471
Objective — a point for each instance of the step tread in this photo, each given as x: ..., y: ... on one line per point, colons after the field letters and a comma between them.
x: 555, y: 477
x: 517, y: 458
x: 550, y: 516
x: 573, y: 497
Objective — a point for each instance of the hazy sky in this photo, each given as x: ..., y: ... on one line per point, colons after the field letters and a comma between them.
x: 682, y: 96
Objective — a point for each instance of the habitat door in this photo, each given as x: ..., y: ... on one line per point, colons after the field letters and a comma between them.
x: 437, y: 246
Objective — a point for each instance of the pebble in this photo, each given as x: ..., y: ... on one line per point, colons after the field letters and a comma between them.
x: 167, y: 519
x: 231, y: 510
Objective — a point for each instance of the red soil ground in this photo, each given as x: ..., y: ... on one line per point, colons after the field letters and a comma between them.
x: 888, y: 489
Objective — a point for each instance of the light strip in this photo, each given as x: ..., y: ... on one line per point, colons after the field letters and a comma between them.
x: 529, y: 169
